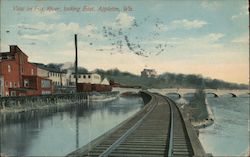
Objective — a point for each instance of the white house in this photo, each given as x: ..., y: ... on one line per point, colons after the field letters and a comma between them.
x: 57, y: 77
x: 92, y: 78
x: 148, y: 73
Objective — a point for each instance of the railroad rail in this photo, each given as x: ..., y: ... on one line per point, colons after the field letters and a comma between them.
x: 159, y: 129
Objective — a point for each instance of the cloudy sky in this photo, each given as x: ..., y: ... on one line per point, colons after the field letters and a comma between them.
x: 190, y: 37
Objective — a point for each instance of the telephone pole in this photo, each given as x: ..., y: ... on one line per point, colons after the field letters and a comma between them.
x: 76, y: 61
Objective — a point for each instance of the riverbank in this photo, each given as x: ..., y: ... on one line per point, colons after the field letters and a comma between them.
x: 202, y: 123
x: 24, y: 104
x: 198, y: 123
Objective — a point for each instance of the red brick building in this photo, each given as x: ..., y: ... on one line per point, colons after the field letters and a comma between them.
x: 19, y: 77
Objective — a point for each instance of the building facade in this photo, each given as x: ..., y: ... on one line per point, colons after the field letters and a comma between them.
x: 91, y: 78
x: 57, y: 76
x: 1, y: 86
x: 91, y: 82
x: 14, y: 67
x: 148, y: 73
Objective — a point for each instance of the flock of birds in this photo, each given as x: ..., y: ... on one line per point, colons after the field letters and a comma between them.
x: 124, y: 38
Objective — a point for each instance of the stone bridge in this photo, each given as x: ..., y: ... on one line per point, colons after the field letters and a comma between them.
x: 212, y: 92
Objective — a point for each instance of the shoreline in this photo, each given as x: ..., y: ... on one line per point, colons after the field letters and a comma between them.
x: 205, y: 122
x: 59, y: 104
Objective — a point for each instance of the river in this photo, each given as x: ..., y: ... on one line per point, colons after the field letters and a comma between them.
x: 229, y: 135
x: 59, y: 133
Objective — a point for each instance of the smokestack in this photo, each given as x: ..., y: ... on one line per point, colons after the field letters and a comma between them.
x: 76, y: 61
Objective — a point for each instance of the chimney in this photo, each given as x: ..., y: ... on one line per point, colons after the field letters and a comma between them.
x: 13, y: 48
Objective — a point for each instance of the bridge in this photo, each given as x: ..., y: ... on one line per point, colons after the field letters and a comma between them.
x: 159, y: 129
x: 212, y: 92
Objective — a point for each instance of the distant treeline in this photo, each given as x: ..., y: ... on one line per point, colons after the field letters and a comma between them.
x: 165, y: 80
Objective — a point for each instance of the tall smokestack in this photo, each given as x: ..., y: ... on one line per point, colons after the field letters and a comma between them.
x: 76, y: 61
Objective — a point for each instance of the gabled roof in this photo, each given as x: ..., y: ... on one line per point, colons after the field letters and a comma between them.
x: 16, y: 50
x: 44, y: 67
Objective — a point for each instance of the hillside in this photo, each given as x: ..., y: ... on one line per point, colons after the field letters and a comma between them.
x: 165, y: 80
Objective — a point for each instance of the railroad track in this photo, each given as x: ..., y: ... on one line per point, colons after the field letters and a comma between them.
x: 180, y: 144
x: 157, y: 130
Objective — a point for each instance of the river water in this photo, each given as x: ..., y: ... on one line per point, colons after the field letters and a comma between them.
x: 59, y: 133
x: 229, y: 135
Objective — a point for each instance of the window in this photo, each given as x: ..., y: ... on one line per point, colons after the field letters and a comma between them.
x: 6, y: 84
x: 32, y: 72
x: 22, y: 70
x: 89, y: 76
x: 21, y: 59
x: 26, y: 83
x: 84, y: 76
x: 9, y: 68
x: 15, y: 84
x: 79, y: 76
x: 46, y: 92
x: 46, y: 83
x: 13, y: 93
x: 10, y: 84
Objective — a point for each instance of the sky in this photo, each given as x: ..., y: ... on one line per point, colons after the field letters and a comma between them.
x: 203, y: 37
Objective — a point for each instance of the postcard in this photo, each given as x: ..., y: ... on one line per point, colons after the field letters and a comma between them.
x: 115, y: 78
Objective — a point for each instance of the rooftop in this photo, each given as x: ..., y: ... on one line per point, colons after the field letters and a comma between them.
x: 45, y: 67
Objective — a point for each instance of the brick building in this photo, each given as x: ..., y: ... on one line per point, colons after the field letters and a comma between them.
x: 16, y: 72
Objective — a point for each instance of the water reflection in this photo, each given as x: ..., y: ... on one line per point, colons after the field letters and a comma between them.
x: 57, y: 132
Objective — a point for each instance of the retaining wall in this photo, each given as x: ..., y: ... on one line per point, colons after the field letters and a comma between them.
x: 24, y: 103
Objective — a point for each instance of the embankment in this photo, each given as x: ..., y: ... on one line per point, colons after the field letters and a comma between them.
x: 28, y: 103
x: 202, y: 123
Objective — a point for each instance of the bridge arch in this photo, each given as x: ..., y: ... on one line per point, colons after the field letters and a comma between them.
x: 174, y: 93
x: 189, y: 95
x: 214, y: 94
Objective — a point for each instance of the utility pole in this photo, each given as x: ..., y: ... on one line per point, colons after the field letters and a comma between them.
x: 76, y: 61
x: 76, y: 77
